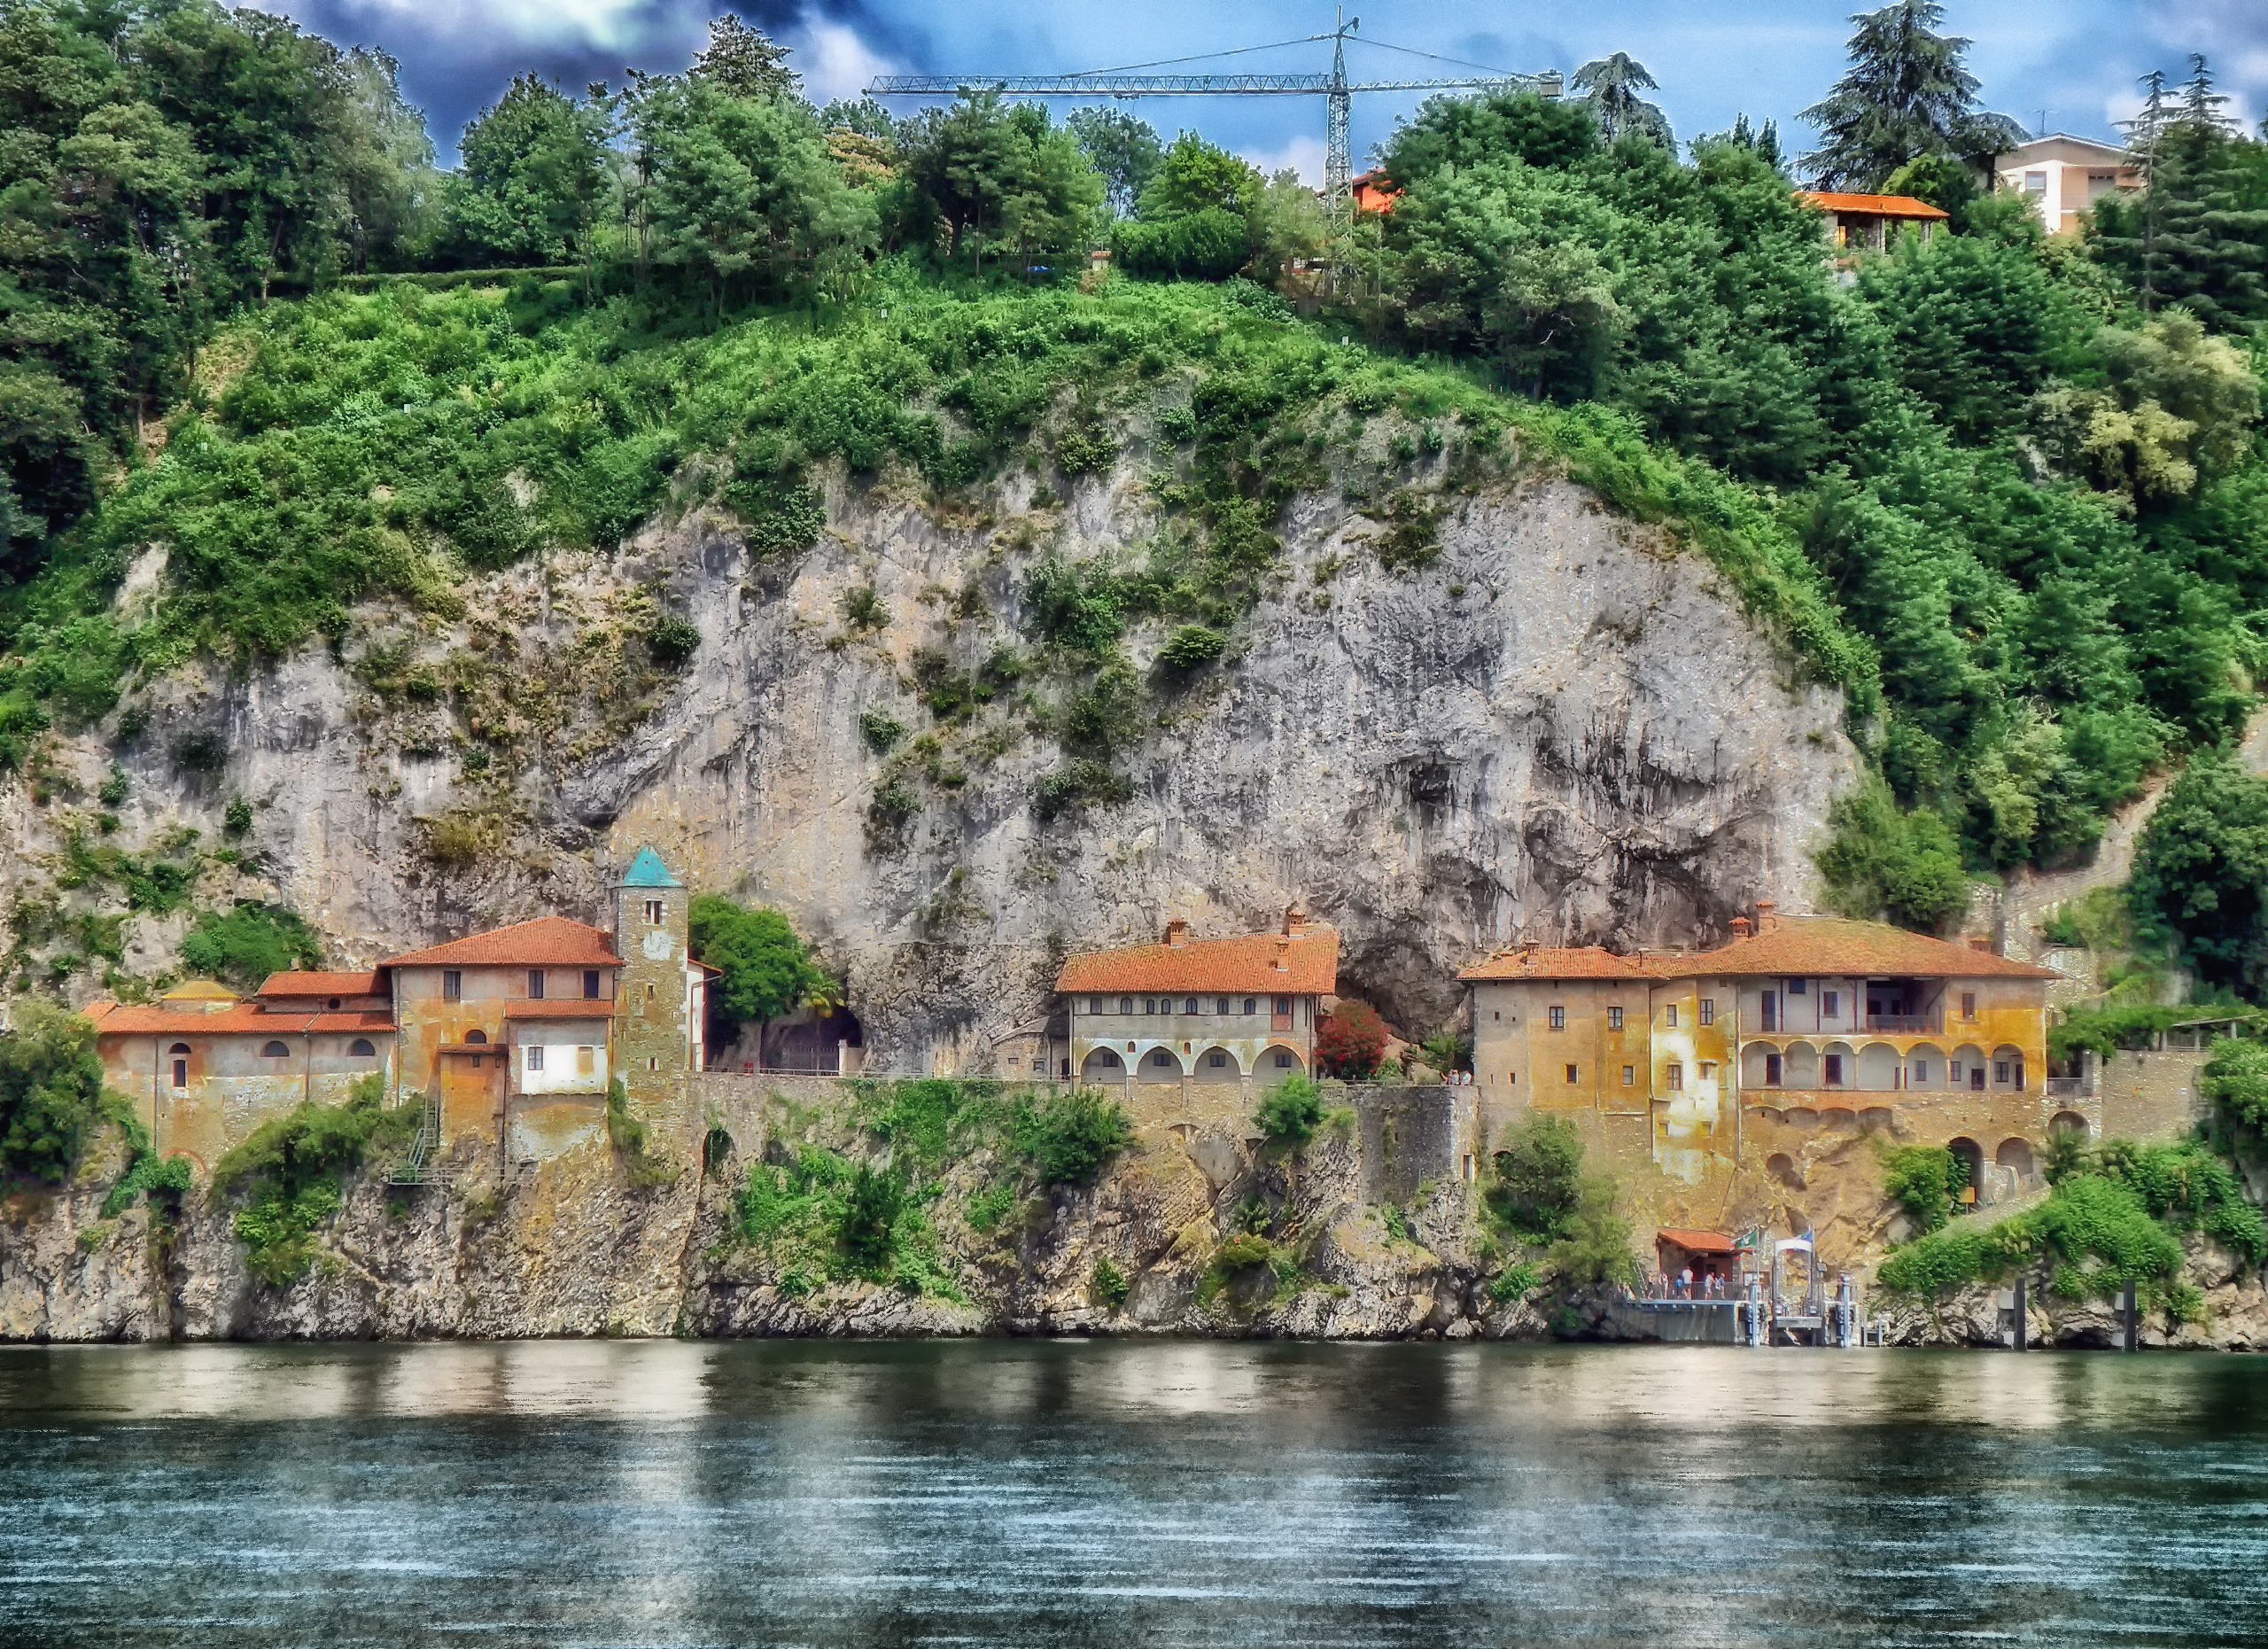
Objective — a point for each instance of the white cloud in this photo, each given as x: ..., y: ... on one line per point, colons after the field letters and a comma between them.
x: 1303, y: 155
x: 609, y: 24
x: 833, y: 60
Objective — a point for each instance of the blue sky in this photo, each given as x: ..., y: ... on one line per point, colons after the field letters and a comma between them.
x: 2076, y: 61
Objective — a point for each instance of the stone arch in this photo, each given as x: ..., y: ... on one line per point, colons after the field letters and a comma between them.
x: 1800, y: 1065
x: 1925, y: 1067
x: 1160, y: 1064
x: 1280, y: 1061
x: 1802, y: 1116
x: 1877, y: 1067
x: 1102, y: 1065
x: 2012, y: 1059
x: 178, y: 1048
x: 476, y: 1039
x: 1970, y: 1156
x: 1840, y: 1118
x: 1755, y: 1067
x: 2015, y: 1154
x: 1838, y: 1066
x: 274, y: 1050
x: 2069, y: 1122
x: 1877, y: 1119
x: 1967, y: 1068
x: 1216, y: 1063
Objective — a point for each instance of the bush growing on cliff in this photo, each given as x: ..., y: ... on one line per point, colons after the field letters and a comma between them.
x: 1350, y: 1041
x: 290, y: 1170
x: 1539, y: 1175
x: 2201, y: 876
x: 1925, y: 1180
x: 2234, y: 1083
x: 1290, y: 1112
x: 1065, y: 1137
x: 253, y: 940
x: 51, y: 1092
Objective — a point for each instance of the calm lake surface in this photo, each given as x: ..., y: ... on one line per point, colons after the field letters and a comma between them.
x: 1125, y: 1495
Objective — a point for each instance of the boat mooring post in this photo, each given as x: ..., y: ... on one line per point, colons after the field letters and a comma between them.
x: 2131, y: 1319
x: 2023, y: 1326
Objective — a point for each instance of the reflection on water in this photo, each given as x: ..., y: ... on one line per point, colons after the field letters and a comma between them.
x: 673, y: 1493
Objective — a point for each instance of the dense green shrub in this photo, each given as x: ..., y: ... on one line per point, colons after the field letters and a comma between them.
x: 2201, y: 874
x: 250, y: 942
x: 1926, y: 1180
x: 1065, y: 1138
x: 50, y: 1091
x: 1538, y: 1185
x: 1290, y: 1112
x: 765, y: 969
x: 290, y: 1170
x: 1108, y: 1284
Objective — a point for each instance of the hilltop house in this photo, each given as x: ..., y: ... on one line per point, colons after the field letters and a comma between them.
x: 499, y: 1029
x: 1185, y: 1010
x: 1801, y: 1021
x: 2063, y: 176
x: 1866, y: 222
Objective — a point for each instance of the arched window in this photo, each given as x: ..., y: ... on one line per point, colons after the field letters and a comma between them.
x: 476, y: 1039
x: 276, y: 1050
x: 178, y: 1047
x: 360, y: 1048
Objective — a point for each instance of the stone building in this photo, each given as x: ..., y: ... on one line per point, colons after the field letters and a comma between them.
x: 1233, y: 1014
x: 514, y: 1034
x: 1736, y: 1056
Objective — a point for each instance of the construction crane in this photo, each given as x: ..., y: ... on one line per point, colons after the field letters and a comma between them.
x: 1130, y: 81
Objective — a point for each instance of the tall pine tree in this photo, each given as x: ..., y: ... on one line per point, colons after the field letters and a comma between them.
x: 1905, y: 94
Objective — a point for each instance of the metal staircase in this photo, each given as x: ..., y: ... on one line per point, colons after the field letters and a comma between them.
x: 422, y: 1165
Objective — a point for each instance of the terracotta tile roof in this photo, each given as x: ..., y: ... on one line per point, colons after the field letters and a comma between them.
x: 1587, y: 962
x: 1871, y: 206
x: 561, y: 1008
x: 1698, y: 1241
x: 547, y: 942
x: 1830, y: 947
x: 1310, y: 966
x: 142, y: 1020
x: 323, y: 985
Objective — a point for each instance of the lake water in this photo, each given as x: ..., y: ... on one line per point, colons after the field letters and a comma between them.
x: 1126, y: 1494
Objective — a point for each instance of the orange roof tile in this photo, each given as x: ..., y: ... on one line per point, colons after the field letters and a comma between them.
x: 547, y: 942
x: 1871, y: 206
x: 1832, y: 946
x: 561, y: 1008
x: 1588, y: 962
x: 297, y: 983
x: 1698, y: 1241
x: 143, y: 1019
x: 1310, y: 966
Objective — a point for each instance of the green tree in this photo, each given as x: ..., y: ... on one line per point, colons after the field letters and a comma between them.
x: 533, y: 179
x: 2201, y: 874
x: 1124, y: 151
x: 251, y: 941
x: 1977, y: 326
x: 1882, y: 861
x: 1610, y: 87
x: 50, y: 1091
x: 2177, y: 408
x: 1905, y: 94
x: 1539, y: 1179
x: 745, y: 62
x: 2198, y: 236
x: 766, y: 971
x: 743, y: 192
x: 988, y: 177
x: 1452, y: 132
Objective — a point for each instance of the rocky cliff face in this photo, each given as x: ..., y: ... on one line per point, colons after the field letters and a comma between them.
x: 578, y: 1246
x: 1559, y: 730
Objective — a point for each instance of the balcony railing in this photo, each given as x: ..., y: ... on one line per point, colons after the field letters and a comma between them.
x: 1907, y: 1024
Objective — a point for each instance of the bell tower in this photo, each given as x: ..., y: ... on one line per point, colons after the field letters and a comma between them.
x: 655, y: 1035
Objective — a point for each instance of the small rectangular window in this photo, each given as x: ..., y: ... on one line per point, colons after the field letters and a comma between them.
x: 1559, y: 1018
x: 1217, y: 1061
x: 2035, y: 182
x: 1283, y: 1062
x: 535, y: 1056
x: 1673, y: 1075
x: 452, y: 986
x: 1188, y: 1006
x: 1149, y: 1004
x: 1251, y: 1006
x: 1571, y: 1073
x: 653, y: 913
x: 586, y: 1062
x: 1796, y: 987
x: 2001, y: 1070
x: 1830, y: 1004
x: 1708, y: 1070
x: 1614, y: 1019
x: 1669, y: 1016
x: 590, y: 984
x: 1708, y: 1010
x: 535, y: 983
x: 1771, y: 1070
x: 1921, y: 1073
x: 181, y: 1076
x: 1125, y: 1003
x: 1834, y: 1067
x: 1629, y: 1077
x: 1969, y: 1004
x: 1220, y: 1007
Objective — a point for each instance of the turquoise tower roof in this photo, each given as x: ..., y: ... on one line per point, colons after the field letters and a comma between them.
x: 647, y: 871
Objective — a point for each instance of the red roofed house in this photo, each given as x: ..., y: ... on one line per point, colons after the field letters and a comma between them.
x: 1798, y: 1025
x: 515, y: 1033
x: 1868, y: 222
x: 1201, y: 1010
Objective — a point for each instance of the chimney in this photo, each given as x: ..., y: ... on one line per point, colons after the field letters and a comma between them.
x: 1528, y: 951
x: 1767, y: 916
x: 1742, y: 927
x: 1978, y: 942
x: 1177, y: 931
x: 1283, y: 944
x: 1295, y: 920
